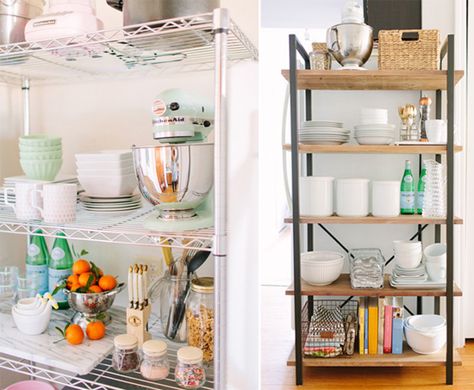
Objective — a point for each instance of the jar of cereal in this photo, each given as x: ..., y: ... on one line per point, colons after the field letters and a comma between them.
x: 189, y: 372
x: 200, y: 317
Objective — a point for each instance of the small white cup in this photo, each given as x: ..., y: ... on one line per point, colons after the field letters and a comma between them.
x: 385, y: 198
x: 316, y: 196
x: 436, y: 130
x: 22, y: 206
x: 59, y: 203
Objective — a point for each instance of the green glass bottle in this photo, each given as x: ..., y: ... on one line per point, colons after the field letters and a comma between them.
x: 420, y: 194
x: 60, y: 267
x: 407, y: 191
x: 37, y: 260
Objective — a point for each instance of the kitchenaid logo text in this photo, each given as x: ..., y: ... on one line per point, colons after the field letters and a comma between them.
x: 172, y: 120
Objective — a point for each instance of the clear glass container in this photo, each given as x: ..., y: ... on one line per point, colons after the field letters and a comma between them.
x: 189, y: 372
x: 155, y: 365
x: 125, y: 357
x: 367, y: 268
x: 200, y: 317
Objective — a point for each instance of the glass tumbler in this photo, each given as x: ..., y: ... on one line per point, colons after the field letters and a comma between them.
x: 28, y: 285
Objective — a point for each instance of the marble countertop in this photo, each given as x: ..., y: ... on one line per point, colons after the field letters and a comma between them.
x: 44, y: 349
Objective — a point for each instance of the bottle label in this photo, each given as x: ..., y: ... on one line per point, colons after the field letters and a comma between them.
x: 42, y: 274
x: 56, y: 276
x: 33, y: 250
x: 408, y: 179
x: 407, y: 200
x: 57, y: 254
x: 419, y: 201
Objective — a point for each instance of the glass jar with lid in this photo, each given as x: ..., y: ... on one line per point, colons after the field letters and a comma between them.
x: 320, y: 58
x: 125, y: 357
x: 189, y: 372
x: 155, y: 365
x: 200, y: 317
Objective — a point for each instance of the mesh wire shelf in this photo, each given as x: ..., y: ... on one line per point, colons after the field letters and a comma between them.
x: 179, y: 44
x: 125, y: 229
x: 103, y: 376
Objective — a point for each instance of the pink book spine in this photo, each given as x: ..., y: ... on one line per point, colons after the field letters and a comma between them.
x: 387, y: 332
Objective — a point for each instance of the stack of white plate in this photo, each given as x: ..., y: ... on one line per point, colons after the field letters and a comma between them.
x: 409, y: 276
x: 323, y: 133
x: 117, y: 204
x: 374, y: 128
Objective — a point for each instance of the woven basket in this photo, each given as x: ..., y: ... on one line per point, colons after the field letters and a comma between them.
x: 398, y: 54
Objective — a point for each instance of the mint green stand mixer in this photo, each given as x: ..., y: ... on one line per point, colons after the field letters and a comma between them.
x: 177, y: 175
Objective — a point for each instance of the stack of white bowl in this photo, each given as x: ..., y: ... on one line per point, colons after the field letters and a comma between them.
x: 435, y: 262
x: 107, y: 174
x: 408, y: 267
x: 40, y: 156
x: 323, y: 133
x: 374, y: 128
x: 426, y: 333
x: 320, y: 268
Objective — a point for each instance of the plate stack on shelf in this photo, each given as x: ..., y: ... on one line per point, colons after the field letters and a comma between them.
x: 374, y: 128
x: 323, y: 133
x: 109, y: 181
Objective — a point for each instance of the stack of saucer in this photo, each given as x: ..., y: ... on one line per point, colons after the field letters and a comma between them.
x: 409, y: 276
x: 118, y: 204
x: 374, y: 128
x: 323, y: 133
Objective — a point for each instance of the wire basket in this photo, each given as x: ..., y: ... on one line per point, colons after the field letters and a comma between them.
x: 332, y: 330
x: 398, y: 53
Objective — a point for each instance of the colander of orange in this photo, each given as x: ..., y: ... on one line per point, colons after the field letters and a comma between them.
x: 91, y: 293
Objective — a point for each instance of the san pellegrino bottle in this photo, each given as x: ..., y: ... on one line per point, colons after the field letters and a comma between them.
x: 420, y: 194
x: 37, y: 260
x: 60, y: 267
x: 407, y: 191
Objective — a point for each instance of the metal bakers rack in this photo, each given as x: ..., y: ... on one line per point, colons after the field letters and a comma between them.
x: 202, y: 42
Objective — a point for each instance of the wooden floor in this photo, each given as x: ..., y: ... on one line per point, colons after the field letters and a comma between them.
x: 277, y: 342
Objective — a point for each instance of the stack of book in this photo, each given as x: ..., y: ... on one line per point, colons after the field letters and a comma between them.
x: 380, y: 325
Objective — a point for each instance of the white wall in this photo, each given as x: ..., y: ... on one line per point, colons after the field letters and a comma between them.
x: 91, y: 116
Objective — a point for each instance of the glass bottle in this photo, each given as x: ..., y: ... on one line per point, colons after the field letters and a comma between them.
x: 425, y: 109
x: 200, y: 316
x: 125, y: 357
x: 407, y: 191
x: 155, y: 365
x: 189, y: 372
x: 420, y: 194
x: 60, y: 267
x: 37, y: 260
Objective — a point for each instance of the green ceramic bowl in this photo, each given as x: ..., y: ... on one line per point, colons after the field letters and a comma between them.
x: 39, y: 140
x: 41, y: 169
x: 41, y: 155
x: 37, y: 149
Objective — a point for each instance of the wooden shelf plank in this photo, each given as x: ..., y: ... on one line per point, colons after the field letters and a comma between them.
x: 373, y: 79
x: 370, y: 220
x: 342, y: 288
x: 407, y: 359
x: 374, y: 149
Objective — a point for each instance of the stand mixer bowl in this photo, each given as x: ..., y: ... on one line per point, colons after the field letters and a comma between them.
x: 350, y: 44
x: 176, y: 178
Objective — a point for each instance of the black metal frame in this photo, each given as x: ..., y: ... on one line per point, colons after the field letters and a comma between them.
x: 297, y: 49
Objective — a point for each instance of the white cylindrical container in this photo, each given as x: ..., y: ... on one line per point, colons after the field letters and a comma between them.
x: 316, y: 196
x: 352, y: 197
x: 385, y: 198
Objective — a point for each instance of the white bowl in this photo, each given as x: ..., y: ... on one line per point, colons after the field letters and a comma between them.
x: 126, y: 171
x: 117, y: 164
x: 436, y: 272
x: 406, y: 245
x: 321, y: 268
x: 375, y: 126
x: 426, y: 322
x: 29, y: 326
x: 436, y: 252
x: 426, y: 341
x: 374, y: 140
x: 105, y: 186
x: 105, y: 156
x: 408, y: 261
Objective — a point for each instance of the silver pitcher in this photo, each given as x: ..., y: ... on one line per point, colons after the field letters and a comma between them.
x: 143, y: 11
x: 350, y: 44
x: 14, y: 14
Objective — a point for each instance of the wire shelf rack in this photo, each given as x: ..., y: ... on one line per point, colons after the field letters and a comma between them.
x: 179, y: 44
x: 103, y: 376
x: 124, y: 229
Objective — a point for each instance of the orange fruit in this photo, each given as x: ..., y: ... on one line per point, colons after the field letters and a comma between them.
x: 74, y: 287
x: 74, y: 334
x: 95, y: 330
x: 81, y: 266
x: 95, y: 289
x: 107, y: 282
x: 72, y: 280
x: 84, y: 278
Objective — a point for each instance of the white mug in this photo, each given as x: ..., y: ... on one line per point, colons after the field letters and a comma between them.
x: 436, y: 130
x: 316, y: 196
x: 59, y: 203
x: 22, y: 206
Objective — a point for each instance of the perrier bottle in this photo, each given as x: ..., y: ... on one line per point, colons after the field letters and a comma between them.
x: 37, y: 260
x: 60, y: 267
x: 407, y: 191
